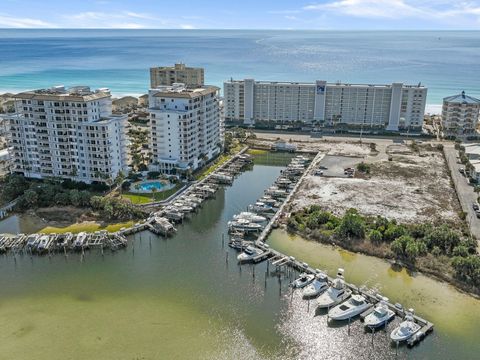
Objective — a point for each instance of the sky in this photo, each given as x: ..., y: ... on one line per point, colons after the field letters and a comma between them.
x: 243, y: 14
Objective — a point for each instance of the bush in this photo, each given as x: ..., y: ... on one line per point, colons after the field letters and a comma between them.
x: 153, y: 175
x: 364, y: 168
x: 352, y: 224
x: 460, y: 250
x: 126, y: 185
x: 393, y: 232
x: 375, y: 236
x: 467, y: 268
x: 406, y: 247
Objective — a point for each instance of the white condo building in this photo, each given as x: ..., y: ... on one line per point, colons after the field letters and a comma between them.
x: 185, y: 126
x: 391, y: 107
x: 460, y: 115
x: 67, y: 133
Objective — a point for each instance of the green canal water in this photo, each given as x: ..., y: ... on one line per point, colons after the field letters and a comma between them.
x: 179, y: 298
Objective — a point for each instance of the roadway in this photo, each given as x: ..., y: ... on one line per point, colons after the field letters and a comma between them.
x: 465, y: 192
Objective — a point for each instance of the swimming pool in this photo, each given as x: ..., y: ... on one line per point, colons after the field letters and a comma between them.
x: 151, y: 186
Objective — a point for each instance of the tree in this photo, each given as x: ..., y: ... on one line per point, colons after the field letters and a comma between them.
x: 31, y: 198
x: 405, y: 247
x: 375, y: 236
x: 352, y: 224
x: 393, y: 232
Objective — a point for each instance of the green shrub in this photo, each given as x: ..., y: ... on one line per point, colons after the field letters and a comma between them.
x: 363, y: 167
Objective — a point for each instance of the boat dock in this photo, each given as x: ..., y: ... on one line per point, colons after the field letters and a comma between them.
x: 279, y: 260
x: 161, y: 222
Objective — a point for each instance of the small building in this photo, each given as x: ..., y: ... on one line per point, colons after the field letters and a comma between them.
x: 475, y: 174
x: 472, y: 151
x: 460, y: 115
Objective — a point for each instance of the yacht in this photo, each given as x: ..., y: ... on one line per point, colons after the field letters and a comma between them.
x: 350, y: 308
x: 275, y: 192
x: 303, y: 281
x: 260, y: 207
x: 316, y: 287
x: 381, y: 315
x: 250, y: 216
x: 336, y: 293
x: 80, y: 240
x: 249, y: 253
x: 407, y: 328
x: 268, y: 200
x: 244, y: 225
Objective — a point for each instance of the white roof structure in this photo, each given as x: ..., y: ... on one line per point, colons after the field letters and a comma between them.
x: 461, y: 99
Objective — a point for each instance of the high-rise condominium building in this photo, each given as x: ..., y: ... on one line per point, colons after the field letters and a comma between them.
x: 169, y: 75
x: 69, y: 134
x: 391, y: 107
x: 184, y: 126
x: 460, y: 115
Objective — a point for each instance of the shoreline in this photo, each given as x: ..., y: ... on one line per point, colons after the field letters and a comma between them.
x: 434, y: 274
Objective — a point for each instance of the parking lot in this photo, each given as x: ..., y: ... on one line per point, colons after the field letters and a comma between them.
x: 335, y: 165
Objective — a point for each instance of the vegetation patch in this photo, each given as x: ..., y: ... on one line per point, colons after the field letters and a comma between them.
x: 415, y: 245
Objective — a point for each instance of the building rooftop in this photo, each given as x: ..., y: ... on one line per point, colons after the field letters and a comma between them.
x: 461, y: 99
x: 179, y: 66
x: 181, y: 91
x: 337, y: 83
x: 75, y: 93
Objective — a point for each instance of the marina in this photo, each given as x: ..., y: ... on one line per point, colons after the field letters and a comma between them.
x: 344, y: 298
x: 206, y: 249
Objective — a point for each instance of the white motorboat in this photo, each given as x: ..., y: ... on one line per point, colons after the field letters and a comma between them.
x: 249, y: 253
x: 336, y: 293
x: 274, y: 192
x: 350, y: 308
x: 250, y: 216
x: 43, y: 243
x: 303, y: 280
x: 381, y: 315
x: 80, y: 240
x: 316, y: 287
x: 407, y: 328
x: 260, y: 207
x: 244, y: 225
x: 268, y: 200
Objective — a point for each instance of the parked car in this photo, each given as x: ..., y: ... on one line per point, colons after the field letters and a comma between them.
x: 323, y: 167
x: 477, y: 213
x: 475, y: 207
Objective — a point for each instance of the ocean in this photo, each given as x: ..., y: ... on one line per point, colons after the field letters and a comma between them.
x: 447, y: 62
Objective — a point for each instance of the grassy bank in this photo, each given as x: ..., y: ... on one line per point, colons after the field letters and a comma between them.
x: 88, y: 226
x: 139, y: 199
x: 219, y: 161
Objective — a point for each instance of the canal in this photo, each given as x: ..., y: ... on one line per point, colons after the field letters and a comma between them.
x: 185, y: 297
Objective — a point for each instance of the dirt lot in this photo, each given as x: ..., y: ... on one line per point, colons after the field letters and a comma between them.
x: 413, y: 186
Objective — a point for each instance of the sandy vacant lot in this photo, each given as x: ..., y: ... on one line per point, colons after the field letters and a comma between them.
x: 413, y: 187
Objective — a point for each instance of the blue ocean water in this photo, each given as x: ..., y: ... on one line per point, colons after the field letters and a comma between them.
x: 445, y: 61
